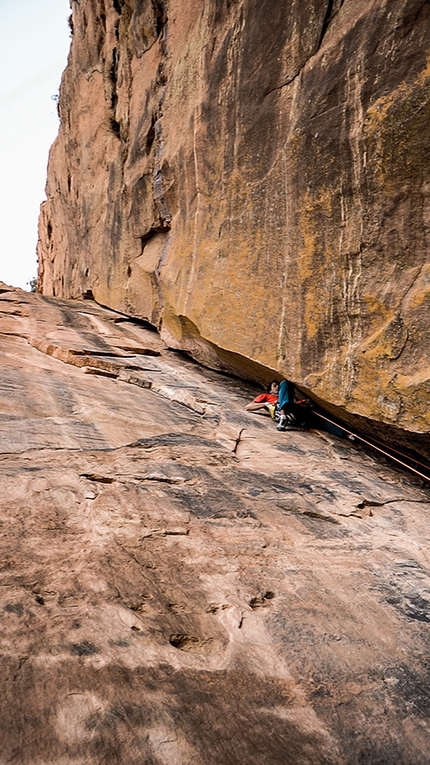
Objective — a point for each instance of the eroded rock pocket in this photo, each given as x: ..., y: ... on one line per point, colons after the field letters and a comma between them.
x: 185, y: 642
x: 260, y: 601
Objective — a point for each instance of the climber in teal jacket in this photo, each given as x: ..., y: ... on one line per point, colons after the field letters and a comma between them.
x: 295, y: 414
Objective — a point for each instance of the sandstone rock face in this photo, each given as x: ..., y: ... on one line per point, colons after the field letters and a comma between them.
x: 180, y: 583
x: 252, y: 178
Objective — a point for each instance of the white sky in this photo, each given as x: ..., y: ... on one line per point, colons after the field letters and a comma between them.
x: 34, y: 43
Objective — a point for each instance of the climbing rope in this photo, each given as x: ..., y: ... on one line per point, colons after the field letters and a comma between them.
x: 382, y: 451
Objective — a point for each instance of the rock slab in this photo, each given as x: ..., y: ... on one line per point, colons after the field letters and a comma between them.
x: 179, y: 582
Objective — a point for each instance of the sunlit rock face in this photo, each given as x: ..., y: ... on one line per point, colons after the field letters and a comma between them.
x: 250, y: 177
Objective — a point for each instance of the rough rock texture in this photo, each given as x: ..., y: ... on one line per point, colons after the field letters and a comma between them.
x: 182, y: 584
x: 252, y: 177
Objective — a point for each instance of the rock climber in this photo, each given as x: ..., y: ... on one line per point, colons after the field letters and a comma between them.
x: 279, y: 402
x: 291, y: 409
x: 292, y: 413
x: 295, y: 412
x: 266, y: 402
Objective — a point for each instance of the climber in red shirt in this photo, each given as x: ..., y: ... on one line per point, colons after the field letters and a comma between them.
x: 261, y: 403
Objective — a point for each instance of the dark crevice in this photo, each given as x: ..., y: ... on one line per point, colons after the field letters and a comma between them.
x: 374, y: 503
x: 238, y: 440
x: 113, y: 74
x: 49, y: 230
x: 115, y: 127
x: 136, y: 320
x: 333, y: 9
x: 150, y: 136
x: 160, y: 15
x: 326, y: 22
x: 97, y: 478
x: 161, y: 229
x: 161, y: 75
x: 121, y: 317
x: 182, y: 353
x: 288, y: 81
x: 117, y: 4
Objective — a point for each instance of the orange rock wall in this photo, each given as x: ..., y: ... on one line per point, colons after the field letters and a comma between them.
x: 250, y: 176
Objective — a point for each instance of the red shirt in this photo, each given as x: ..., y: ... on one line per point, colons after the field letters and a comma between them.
x: 266, y: 398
